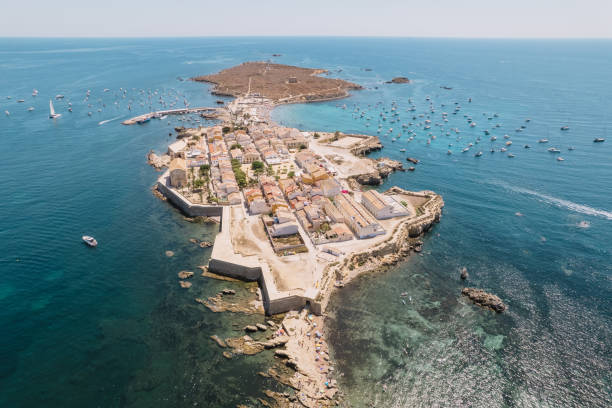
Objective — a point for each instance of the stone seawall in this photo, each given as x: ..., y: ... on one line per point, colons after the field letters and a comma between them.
x: 189, y: 209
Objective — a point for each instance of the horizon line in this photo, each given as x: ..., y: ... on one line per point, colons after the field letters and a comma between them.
x: 301, y: 36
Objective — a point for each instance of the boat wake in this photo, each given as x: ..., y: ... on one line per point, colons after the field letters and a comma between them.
x: 108, y: 120
x: 561, y: 203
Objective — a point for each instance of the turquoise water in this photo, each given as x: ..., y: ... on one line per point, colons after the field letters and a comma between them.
x: 111, y: 327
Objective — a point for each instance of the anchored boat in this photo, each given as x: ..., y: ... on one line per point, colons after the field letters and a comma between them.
x: 91, y: 241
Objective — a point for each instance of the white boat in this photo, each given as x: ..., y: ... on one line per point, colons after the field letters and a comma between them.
x: 554, y: 150
x: 52, y: 114
x: 560, y: 158
x: 402, y: 150
x: 91, y: 241
x: 510, y: 155
x: 30, y: 109
x: 7, y: 113
x: 59, y: 96
x: 543, y: 141
x: 478, y: 154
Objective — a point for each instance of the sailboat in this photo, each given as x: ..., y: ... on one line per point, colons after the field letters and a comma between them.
x: 52, y: 114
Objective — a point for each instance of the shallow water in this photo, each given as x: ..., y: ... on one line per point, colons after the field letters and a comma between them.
x: 111, y: 327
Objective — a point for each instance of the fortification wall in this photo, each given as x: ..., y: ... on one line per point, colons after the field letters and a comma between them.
x: 189, y: 209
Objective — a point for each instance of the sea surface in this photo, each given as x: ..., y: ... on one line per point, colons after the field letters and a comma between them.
x: 110, y: 326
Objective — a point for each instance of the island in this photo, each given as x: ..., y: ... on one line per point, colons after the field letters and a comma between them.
x: 295, y: 213
x: 399, y: 80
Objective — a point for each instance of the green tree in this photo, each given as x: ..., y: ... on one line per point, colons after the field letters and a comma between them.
x: 236, y: 146
x: 316, y: 135
x: 291, y: 174
x: 204, y: 168
x: 226, y: 129
x: 257, y: 166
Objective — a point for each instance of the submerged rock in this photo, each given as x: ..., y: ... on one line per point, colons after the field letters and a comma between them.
x: 464, y: 273
x: 184, y: 284
x: 250, y: 328
x: 484, y: 299
x: 169, y: 254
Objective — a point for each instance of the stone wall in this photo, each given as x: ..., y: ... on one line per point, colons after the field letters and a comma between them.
x: 189, y: 209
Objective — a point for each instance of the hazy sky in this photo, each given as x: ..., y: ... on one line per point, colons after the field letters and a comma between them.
x: 408, y: 18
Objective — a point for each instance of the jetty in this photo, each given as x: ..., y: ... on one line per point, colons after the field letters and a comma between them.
x: 182, y: 111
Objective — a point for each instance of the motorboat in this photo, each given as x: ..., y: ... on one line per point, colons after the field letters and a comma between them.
x: 554, y: 150
x: 52, y: 114
x: 478, y: 154
x: 510, y: 155
x: 527, y: 147
x: 91, y: 241
x: 564, y: 127
x: 599, y: 140
x: 560, y: 158
x: 543, y: 141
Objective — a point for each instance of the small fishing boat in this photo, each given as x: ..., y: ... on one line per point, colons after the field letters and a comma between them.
x: 449, y: 152
x: 478, y: 154
x: 571, y: 148
x: 503, y: 149
x: 510, y: 155
x: 508, y: 143
x: 493, y: 138
x: 30, y: 109
x: 7, y: 113
x: 402, y: 150
x: 91, y: 241
x: 59, y: 96
x: 554, y: 150
x: 599, y: 140
x: 543, y: 141
x: 560, y: 158
x: 564, y: 127
x: 527, y: 147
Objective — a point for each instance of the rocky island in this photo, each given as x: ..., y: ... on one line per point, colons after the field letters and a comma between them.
x: 484, y: 299
x: 293, y: 215
x: 278, y: 83
x: 399, y: 80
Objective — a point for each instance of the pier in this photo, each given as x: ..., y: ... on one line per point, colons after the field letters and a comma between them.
x: 183, y: 111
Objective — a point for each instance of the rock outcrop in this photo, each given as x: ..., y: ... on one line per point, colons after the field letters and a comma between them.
x: 185, y: 274
x: 484, y: 299
x: 398, y: 80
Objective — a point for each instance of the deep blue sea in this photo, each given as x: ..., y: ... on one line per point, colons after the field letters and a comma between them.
x: 111, y: 327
